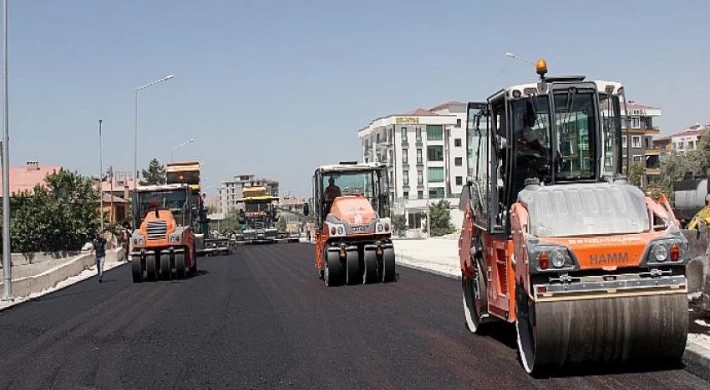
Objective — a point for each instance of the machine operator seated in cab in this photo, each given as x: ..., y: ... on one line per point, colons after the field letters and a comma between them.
x: 331, y: 192
x: 531, y: 151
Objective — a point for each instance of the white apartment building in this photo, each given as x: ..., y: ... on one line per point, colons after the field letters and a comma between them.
x: 426, y: 153
x: 230, y: 191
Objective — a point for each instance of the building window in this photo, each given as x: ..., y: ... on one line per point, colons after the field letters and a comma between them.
x: 623, y: 141
x: 420, y: 194
x: 636, y: 141
x: 458, y: 123
x: 457, y: 142
x: 389, y: 160
x: 414, y: 220
x: 419, y: 156
x: 405, y: 177
x: 458, y: 161
x: 404, y: 134
x: 635, y: 122
x: 435, y: 174
x: 434, y: 133
x: 459, y: 180
x: 691, y: 145
x: 638, y: 159
x: 405, y: 194
x: 405, y: 156
x: 420, y: 177
x: 378, y: 138
x: 435, y: 153
x: 436, y: 193
x: 419, y: 134
x: 680, y: 145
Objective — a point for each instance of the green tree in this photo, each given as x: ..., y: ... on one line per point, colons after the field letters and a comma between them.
x: 229, y: 223
x: 281, y: 224
x: 155, y: 174
x: 399, y: 224
x: 636, y: 174
x: 440, y: 218
x: 62, y: 215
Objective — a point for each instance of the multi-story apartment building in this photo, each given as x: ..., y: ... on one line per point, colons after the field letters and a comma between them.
x: 683, y: 141
x: 426, y: 154
x: 638, y: 120
x: 231, y: 191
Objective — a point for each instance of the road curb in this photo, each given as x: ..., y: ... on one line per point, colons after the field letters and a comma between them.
x: 697, y: 360
x: 62, y: 283
x: 410, y: 264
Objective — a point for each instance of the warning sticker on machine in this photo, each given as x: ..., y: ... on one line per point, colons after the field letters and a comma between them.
x: 603, y: 240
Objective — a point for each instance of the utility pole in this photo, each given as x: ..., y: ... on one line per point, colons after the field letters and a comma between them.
x: 101, y: 182
x: 7, y: 264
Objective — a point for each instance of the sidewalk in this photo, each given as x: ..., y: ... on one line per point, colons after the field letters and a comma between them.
x: 50, y: 276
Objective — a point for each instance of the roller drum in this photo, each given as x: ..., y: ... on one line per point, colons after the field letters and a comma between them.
x: 619, y: 330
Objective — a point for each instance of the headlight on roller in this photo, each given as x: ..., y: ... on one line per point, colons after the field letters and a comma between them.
x: 559, y: 258
x: 660, y: 252
x: 336, y: 229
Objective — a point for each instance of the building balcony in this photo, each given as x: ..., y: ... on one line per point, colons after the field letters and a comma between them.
x: 652, y: 131
x: 653, y: 171
x: 653, y: 151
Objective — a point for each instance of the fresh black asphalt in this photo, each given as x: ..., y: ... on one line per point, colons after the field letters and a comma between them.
x: 261, y: 319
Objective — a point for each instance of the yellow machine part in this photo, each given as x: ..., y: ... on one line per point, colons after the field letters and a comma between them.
x: 652, y: 328
x: 702, y: 215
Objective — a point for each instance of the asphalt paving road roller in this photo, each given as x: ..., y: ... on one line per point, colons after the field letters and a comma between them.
x: 556, y: 241
x: 164, y: 244
x: 353, y: 225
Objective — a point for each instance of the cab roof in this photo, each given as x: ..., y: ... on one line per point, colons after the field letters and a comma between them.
x: 356, y: 167
x: 601, y: 87
x: 162, y: 187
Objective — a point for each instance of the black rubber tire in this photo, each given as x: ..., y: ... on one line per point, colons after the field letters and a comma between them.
x: 353, y: 275
x: 475, y: 309
x: 370, y: 266
x: 387, y: 271
x: 180, y: 268
x: 136, y: 270
x: 151, y: 268
x: 333, y: 274
x: 193, y: 268
x: 166, y: 272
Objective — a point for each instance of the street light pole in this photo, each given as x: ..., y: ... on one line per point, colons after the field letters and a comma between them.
x: 513, y: 56
x: 135, y: 141
x: 101, y: 181
x: 7, y: 265
x: 172, y: 150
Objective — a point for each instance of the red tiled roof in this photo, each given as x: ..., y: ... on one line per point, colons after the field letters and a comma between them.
x: 106, y: 184
x: 116, y: 199
x: 421, y: 112
x: 447, y: 105
x: 27, y: 177
x: 697, y: 129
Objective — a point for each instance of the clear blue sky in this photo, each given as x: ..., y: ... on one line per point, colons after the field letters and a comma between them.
x: 292, y: 81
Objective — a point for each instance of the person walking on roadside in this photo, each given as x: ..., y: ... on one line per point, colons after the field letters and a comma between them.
x: 99, y: 247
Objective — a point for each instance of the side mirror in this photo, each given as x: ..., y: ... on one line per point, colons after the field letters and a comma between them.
x: 305, y: 209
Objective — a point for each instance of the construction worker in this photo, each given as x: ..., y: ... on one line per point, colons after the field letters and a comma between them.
x: 332, y: 191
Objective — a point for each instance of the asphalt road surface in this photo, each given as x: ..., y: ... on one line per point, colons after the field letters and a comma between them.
x: 261, y: 319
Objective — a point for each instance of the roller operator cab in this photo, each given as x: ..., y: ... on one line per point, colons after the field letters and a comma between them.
x: 259, y: 216
x: 556, y: 241
x: 164, y: 245
x: 353, y: 228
